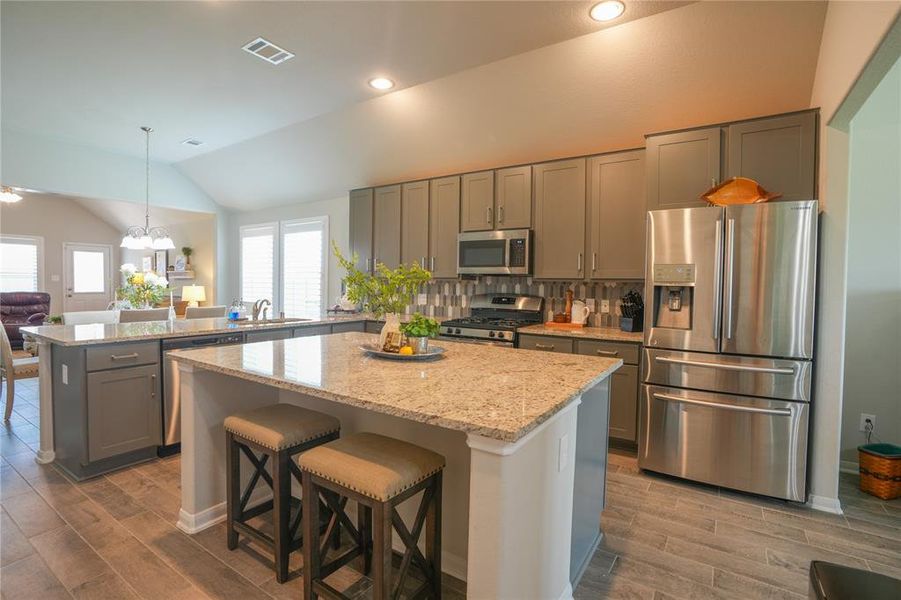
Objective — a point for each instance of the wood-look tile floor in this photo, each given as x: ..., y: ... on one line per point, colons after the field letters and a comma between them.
x: 114, y: 536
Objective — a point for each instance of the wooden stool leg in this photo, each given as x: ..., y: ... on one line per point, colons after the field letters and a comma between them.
x: 10, y: 393
x: 281, y: 513
x: 310, y: 525
x: 433, y: 537
x: 381, y: 551
x: 364, y: 527
x: 233, y: 488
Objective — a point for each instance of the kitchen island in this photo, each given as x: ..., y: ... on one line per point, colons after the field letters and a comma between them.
x: 523, y: 432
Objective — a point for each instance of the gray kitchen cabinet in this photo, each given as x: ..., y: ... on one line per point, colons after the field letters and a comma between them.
x: 123, y: 411
x: 560, y: 207
x: 545, y: 343
x: 477, y: 201
x: 309, y: 331
x: 629, y: 353
x: 361, y: 227
x: 513, y: 198
x: 777, y: 152
x: 617, y: 213
x: 682, y: 166
x: 414, y: 229
x: 386, y: 226
x: 624, y: 403
x: 345, y: 327
x: 444, y: 225
x: 267, y: 335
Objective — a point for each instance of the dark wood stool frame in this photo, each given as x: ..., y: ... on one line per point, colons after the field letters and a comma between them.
x: 372, y: 538
x: 284, y: 540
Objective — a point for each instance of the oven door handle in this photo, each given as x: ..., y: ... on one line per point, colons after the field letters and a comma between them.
x: 779, y: 412
x: 726, y: 366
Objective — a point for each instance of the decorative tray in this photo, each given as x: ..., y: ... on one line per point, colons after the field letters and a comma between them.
x: 430, y: 354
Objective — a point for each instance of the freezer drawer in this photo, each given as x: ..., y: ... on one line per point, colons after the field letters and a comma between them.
x: 748, y: 444
x: 742, y: 375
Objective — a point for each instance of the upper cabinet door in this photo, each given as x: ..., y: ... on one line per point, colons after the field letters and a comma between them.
x: 559, y: 219
x: 477, y: 201
x: 682, y: 166
x: 386, y: 226
x: 779, y: 153
x: 618, y: 213
x: 361, y: 227
x: 513, y: 198
x: 414, y: 243
x: 444, y: 216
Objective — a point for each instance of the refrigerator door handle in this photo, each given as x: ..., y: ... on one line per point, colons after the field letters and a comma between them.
x: 730, y: 272
x: 727, y: 366
x: 781, y: 412
x: 718, y: 282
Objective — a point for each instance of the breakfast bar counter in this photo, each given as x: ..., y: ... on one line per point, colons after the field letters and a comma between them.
x: 523, y: 432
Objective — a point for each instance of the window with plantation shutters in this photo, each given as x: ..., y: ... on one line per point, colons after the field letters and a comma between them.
x: 258, y: 262
x: 20, y: 263
x: 303, y: 257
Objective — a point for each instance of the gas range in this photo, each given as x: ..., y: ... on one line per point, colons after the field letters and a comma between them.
x: 495, y: 318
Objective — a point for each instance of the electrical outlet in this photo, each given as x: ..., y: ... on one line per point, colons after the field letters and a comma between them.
x: 591, y: 304
x: 864, y: 417
x: 422, y: 299
x: 605, y: 306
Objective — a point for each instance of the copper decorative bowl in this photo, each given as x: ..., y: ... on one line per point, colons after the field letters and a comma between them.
x: 738, y: 190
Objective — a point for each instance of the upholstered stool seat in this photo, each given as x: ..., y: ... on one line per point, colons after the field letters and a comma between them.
x: 281, y: 426
x: 378, y: 473
x: 376, y: 466
x: 272, y: 435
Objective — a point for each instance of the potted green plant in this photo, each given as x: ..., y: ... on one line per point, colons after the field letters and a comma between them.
x: 418, y: 331
x: 187, y: 251
x: 385, y: 292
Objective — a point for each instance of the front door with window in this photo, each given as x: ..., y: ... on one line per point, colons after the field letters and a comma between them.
x: 88, y: 277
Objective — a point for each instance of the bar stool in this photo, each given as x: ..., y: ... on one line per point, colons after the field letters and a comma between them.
x: 378, y: 473
x: 277, y: 432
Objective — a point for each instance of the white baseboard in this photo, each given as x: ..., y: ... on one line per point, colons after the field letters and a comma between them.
x: 567, y: 592
x: 848, y: 466
x: 825, y: 504
x: 195, y: 523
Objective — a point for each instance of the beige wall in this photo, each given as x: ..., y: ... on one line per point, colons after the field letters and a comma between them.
x: 851, y: 34
x: 58, y: 219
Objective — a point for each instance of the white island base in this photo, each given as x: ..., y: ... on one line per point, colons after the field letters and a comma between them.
x: 509, y: 514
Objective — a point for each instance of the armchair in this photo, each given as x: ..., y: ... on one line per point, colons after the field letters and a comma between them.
x: 22, y: 309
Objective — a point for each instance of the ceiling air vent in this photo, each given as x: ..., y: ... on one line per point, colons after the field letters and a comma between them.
x: 192, y: 142
x: 267, y: 51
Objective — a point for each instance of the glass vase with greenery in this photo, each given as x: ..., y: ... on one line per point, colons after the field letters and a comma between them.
x: 387, y: 291
x: 141, y: 290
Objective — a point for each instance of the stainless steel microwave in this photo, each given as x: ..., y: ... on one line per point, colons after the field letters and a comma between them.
x: 506, y: 252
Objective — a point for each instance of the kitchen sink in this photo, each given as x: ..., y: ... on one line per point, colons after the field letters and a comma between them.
x: 285, y: 320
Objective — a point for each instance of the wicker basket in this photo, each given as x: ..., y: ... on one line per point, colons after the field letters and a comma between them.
x: 880, y: 470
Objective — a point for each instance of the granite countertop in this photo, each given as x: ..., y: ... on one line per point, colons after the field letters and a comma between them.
x: 610, y: 334
x: 514, y: 392
x: 99, y: 333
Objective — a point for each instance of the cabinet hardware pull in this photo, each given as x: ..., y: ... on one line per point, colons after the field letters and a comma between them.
x: 488, y: 215
x: 432, y: 264
x: 607, y: 352
x: 153, y: 385
x: 579, y: 262
x: 727, y: 366
x: 594, y: 261
x: 500, y: 214
x: 422, y: 262
x: 781, y: 412
x: 717, y: 283
x: 123, y: 356
x: 544, y: 347
x: 730, y: 270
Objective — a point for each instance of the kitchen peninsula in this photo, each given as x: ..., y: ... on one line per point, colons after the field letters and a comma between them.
x: 523, y: 432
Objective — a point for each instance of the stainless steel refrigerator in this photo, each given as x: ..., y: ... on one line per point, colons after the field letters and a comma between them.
x: 728, y: 356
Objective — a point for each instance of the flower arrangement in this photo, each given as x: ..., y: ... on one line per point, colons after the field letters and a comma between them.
x: 420, y: 326
x: 141, y: 290
x: 387, y: 290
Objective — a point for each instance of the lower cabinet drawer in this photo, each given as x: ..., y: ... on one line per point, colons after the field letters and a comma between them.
x: 624, y: 403
x: 267, y: 336
x: 123, y: 411
x: 342, y: 327
x: 546, y: 343
x: 627, y: 352
x: 100, y: 358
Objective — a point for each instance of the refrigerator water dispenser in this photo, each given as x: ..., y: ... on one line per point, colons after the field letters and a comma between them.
x: 673, y: 291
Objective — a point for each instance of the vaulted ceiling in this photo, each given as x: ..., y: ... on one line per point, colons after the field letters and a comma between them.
x: 479, y: 83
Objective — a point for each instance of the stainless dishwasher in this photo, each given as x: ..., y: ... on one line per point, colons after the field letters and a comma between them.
x: 171, y: 400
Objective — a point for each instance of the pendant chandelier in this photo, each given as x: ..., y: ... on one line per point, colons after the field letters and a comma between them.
x: 145, y: 237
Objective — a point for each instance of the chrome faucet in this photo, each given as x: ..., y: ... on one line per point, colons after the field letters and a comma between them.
x: 259, y: 306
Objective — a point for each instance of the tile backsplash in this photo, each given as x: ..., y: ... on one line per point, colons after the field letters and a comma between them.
x: 451, y: 298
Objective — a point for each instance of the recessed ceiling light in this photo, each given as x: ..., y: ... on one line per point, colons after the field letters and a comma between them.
x: 381, y: 83
x: 192, y: 142
x: 263, y: 48
x: 607, y: 10
x: 8, y: 196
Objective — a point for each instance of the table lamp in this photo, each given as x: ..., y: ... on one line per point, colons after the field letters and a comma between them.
x: 193, y: 294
